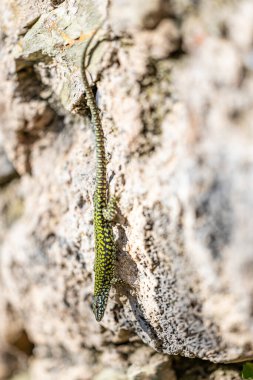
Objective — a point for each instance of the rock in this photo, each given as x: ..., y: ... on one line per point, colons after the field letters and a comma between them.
x: 7, y: 171
x: 21, y: 376
x: 174, y: 85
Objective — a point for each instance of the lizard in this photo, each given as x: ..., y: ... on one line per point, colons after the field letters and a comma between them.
x: 104, y: 208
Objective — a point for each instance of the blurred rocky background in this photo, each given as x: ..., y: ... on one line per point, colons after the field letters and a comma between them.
x: 174, y: 83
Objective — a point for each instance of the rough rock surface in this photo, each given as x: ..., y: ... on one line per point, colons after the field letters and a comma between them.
x: 175, y: 87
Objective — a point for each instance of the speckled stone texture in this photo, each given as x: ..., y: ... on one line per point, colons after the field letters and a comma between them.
x: 175, y: 87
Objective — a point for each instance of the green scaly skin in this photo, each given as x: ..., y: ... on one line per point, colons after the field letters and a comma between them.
x: 104, y: 211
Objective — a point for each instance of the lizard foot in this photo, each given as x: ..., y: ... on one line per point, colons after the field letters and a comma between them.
x: 110, y: 211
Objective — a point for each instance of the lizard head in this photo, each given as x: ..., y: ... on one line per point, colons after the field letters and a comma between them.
x: 99, y: 305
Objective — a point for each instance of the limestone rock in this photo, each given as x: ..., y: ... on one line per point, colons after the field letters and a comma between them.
x: 7, y: 171
x: 174, y: 84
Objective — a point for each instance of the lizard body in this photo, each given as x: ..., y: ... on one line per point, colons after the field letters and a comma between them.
x: 104, y: 211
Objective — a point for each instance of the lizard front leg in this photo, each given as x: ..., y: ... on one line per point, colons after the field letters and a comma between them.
x: 110, y: 212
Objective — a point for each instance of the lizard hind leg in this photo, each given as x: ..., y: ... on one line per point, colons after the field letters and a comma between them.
x: 110, y: 212
x: 117, y: 281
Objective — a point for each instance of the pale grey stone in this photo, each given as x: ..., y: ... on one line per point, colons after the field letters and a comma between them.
x: 175, y: 92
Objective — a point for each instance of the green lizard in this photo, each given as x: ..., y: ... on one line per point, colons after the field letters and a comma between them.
x: 104, y: 210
